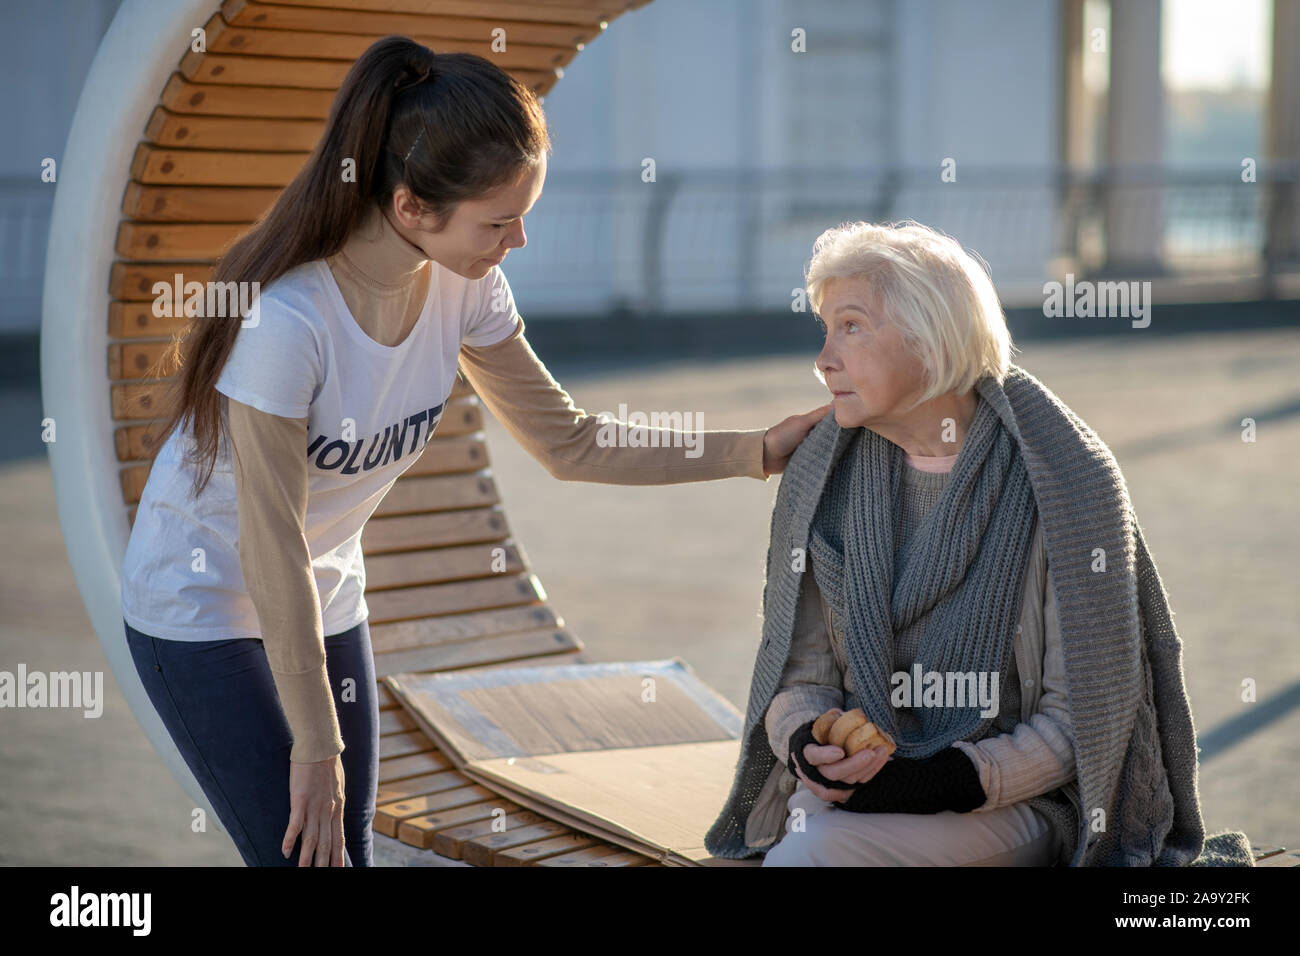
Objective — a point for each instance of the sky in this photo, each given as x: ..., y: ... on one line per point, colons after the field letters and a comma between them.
x: 1205, y: 44
x: 1216, y: 44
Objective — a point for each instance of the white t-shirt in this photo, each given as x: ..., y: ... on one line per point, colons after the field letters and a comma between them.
x: 302, y: 354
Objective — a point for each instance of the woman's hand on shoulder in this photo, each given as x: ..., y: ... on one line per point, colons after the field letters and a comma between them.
x: 784, y: 437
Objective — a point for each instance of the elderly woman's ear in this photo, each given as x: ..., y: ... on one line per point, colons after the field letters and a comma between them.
x: 782, y: 439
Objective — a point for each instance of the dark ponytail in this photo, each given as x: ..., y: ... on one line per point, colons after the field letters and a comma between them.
x: 450, y: 126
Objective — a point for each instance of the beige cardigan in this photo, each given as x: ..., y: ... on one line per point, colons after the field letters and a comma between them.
x: 1036, y: 757
x: 272, y: 500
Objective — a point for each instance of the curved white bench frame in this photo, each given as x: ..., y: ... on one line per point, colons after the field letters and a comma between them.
x: 120, y: 93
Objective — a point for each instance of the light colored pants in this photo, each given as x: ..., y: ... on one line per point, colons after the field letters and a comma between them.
x: 1016, y: 835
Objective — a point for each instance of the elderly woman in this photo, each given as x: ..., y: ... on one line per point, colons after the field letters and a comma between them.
x: 953, y: 525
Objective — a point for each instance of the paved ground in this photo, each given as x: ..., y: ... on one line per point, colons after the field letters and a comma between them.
x: 645, y: 573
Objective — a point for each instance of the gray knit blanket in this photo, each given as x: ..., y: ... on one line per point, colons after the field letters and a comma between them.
x: 1134, y: 741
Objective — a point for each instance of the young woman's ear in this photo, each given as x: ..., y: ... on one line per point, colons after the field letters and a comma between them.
x: 407, y: 210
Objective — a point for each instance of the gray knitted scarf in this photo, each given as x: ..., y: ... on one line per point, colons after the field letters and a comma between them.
x: 1134, y: 743
x: 963, y: 566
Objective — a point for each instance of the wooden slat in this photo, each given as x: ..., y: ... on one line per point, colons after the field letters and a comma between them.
x: 130, y: 402
x: 403, y: 745
x: 212, y: 167
x: 454, y: 628
x: 446, y: 454
x: 433, y: 530
x: 441, y: 564
x: 481, y: 849
x: 451, y: 841
x: 460, y: 417
x: 548, y: 660
x: 217, y: 69
x: 506, y: 647
x: 439, y: 493
x: 519, y: 53
x: 134, y: 442
x: 396, y: 720
x: 133, y: 282
x: 618, y: 858
x: 181, y: 241
x: 136, y: 319
x: 530, y: 853
x: 232, y: 132
x: 400, y: 768
x: 235, y: 70
x: 422, y: 830
x: 138, y: 360
x: 388, y: 816
x: 562, y: 11
x: 211, y: 99
x: 581, y: 857
x: 407, y: 603
x: 133, y: 483
x: 415, y: 786
x: 190, y: 204
x: 478, y: 17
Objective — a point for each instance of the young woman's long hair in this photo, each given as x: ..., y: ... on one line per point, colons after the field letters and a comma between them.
x: 473, y: 128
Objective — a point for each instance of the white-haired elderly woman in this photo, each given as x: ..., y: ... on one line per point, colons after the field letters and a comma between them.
x: 954, y: 553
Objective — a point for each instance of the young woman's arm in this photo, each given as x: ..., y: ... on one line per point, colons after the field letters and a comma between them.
x: 540, y: 415
x: 271, y: 486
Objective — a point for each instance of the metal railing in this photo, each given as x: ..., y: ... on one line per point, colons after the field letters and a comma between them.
x: 605, y: 241
x: 25, y: 207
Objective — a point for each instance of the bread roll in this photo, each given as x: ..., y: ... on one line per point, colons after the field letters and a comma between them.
x: 844, y: 725
x: 822, y: 725
x: 868, y: 735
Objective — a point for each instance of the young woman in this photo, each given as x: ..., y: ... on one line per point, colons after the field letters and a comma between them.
x: 243, y: 582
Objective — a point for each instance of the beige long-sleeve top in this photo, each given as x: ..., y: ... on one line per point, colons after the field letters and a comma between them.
x: 271, y: 488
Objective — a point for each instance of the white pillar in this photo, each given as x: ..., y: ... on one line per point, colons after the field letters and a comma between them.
x: 1283, y: 130
x: 1074, y: 143
x: 1073, y: 146
x: 1135, y: 137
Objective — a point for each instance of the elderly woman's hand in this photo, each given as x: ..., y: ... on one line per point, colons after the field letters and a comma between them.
x: 946, y: 781
x: 783, y: 438
x: 822, y: 766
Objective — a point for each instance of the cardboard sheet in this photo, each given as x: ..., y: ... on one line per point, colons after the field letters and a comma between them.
x: 640, y: 753
x: 661, y: 798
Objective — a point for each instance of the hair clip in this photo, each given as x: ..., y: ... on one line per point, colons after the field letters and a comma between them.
x: 413, y: 145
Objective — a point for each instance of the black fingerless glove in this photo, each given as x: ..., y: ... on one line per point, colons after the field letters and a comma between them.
x: 800, y: 739
x: 947, y: 781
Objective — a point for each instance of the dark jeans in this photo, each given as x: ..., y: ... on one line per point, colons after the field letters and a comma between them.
x: 218, y: 701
